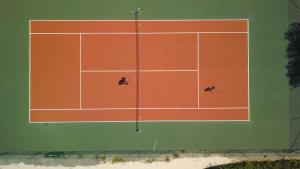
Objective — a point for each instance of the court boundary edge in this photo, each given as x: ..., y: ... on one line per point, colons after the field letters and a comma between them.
x: 248, y: 53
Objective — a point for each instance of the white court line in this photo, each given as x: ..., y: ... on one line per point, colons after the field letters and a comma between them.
x: 130, y: 33
x: 87, y: 71
x: 150, y: 108
x: 29, y: 72
x: 130, y: 20
x: 143, y: 121
x: 198, y: 69
x: 80, y: 67
x: 126, y: 20
x: 248, y: 38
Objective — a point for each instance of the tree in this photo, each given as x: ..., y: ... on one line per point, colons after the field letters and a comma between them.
x: 293, y: 54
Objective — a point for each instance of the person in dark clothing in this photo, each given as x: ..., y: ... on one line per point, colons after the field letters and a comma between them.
x: 123, y: 81
x: 210, y: 89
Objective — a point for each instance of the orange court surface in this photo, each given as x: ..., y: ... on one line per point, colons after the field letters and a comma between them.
x: 76, y: 66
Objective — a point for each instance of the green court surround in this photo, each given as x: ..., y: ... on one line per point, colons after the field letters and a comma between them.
x: 269, y: 91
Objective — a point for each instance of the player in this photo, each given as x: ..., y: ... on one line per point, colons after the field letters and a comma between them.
x: 123, y: 81
x: 210, y: 89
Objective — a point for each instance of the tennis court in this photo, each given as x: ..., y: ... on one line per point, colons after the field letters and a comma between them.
x: 175, y: 70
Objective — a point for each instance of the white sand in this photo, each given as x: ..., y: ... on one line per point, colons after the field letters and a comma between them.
x: 180, y: 163
x: 185, y: 161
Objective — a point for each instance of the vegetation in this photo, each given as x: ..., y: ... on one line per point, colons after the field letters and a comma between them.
x: 118, y: 160
x: 175, y: 154
x: 167, y: 159
x: 103, y: 158
x: 293, y: 54
x: 150, y: 160
x: 278, y: 164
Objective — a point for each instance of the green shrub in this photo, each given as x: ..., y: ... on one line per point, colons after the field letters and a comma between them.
x: 278, y: 164
x: 167, y: 159
x: 103, y: 158
x: 150, y: 160
x: 175, y: 154
x: 118, y: 160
